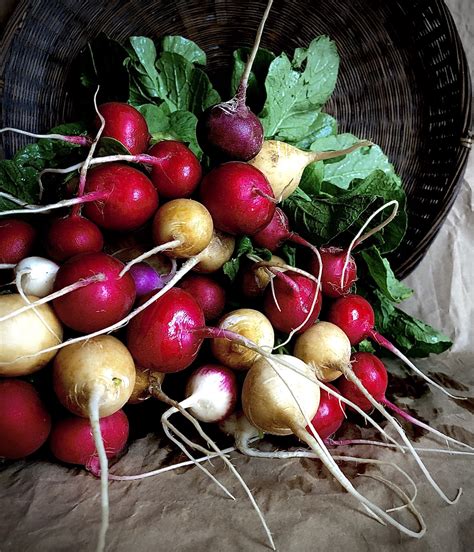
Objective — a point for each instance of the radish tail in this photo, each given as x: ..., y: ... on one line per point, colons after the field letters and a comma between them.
x: 419, y: 423
x: 383, y: 342
x: 78, y: 140
x: 163, y: 247
x: 350, y: 442
x: 99, y: 445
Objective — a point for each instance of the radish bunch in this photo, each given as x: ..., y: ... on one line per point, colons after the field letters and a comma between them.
x: 141, y: 251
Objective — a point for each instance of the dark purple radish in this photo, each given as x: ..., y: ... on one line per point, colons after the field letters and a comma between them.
x: 330, y: 414
x: 230, y: 130
x: 208, y: 293
x: 73, y: 235
x: 335, y: 280
x: 374, y: 377
x: 294, y: 304
x: 238, y: 197
x: 355, y: 316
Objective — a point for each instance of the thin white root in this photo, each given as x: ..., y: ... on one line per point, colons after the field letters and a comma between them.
x: 64, y: 291
x: 45, y: 208
x: 163, y: 247
x: 14, y: 199
x: 351, y: 442
x: 354, y: 379
x: 358, y: 239
x: 185, y: 268
x: 192, y: 459
x: 213, y: 445
x: 52, y: 136
x: 7, y: 266
x: 95, y: 398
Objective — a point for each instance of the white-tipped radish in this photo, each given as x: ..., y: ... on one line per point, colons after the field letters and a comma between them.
x: 37, y: 275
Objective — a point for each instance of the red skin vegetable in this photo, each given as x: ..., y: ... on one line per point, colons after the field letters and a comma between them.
x: 333, y: 259
x: 126, y: 124
x: 72, y: 235
x: 131, y: 198
x: 207, y: 292
x: 179, y: 172
x: 72, y: 442
x: 330, y: 414
x: 16, y: 240
x: 372, y: 373
x: 239, y: 198
x: 97, y: 305
x: 354, y: 315
x: 161, y: 338
x: 24, y: 421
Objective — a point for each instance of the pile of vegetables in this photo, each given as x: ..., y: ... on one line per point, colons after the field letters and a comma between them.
x: 243, y: 242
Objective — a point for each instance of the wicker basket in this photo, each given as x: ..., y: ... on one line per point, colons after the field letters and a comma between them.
x: 404, y: 81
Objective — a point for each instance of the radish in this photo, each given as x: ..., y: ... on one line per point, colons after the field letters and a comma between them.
x: 230, y: 130
x: 208, y: 293
x: 294, y: 304
x: 72, y: 440
x: 283, y: 164
x: 256, y: 276
x: 325, y: 348
x: 125, y: 124
x: 145, y: 380
x: 281, y: 398
x: 161, y: 338
x: 17, y: 239
x: 354, y: 315
x: 129, y: 197
x: 329, y: 348
x: 339, y: 270
x: 147, y: 279
x: 178, y: 172
x: 98, y: 304
x: 330, y: 414
x: 244, y: 188
x: 24, y: 421
x: 94, y: 380
x: 185, y: 221
x: 372, y: 373
x: 248, y: 323
x: 72, y: 235
x: 25, y: 336
x: 36, y: 276
x: 217, y: 253
x: 335, y: 281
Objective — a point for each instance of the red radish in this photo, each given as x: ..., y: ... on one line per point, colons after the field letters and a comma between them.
x: 177, y: 171
x: 330, y: 414
x: 130, y: 197
x: 208, y: 293
x: 16, y: 240
x: 354, y: 315
x: 99, y: 304
x: 230, y: 130
x: 72, y: 235
x: 291, y: 303
x: 373, y: 375
x: 161, y: 338
x: 334, y: 261
x: 24, y: 421
x: 147, y: 279
x: 238, y: 197
x: 72, y: 441
x: 125, y: 124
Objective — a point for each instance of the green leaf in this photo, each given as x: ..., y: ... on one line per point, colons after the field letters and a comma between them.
x: 312, y: 178
x: 324, y: 125
x: 358, y: 164
x: 289, y: 253
x: 244, y: 247
x: 164, y: 125
x: 412, y: 336
x: 184, y: 47
x: 365, y: 346
x: 19, y: 176
x: 296, y: 90
x: 382, y: 275
x: 255, y: 88
x: 110, y: 146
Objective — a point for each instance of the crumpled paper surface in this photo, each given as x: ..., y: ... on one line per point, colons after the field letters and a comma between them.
x: 47, y: 507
